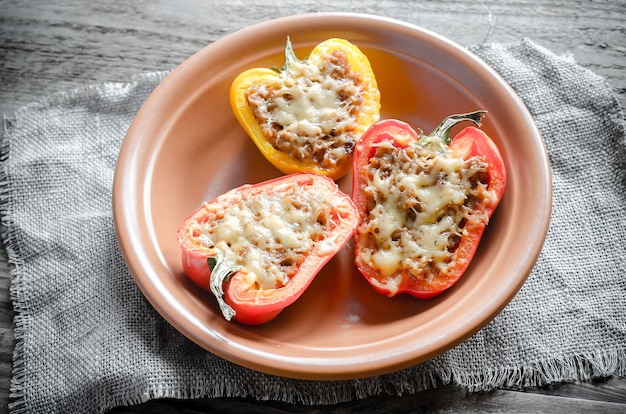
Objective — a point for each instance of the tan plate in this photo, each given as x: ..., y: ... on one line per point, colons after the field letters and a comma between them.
x: 185, y: 146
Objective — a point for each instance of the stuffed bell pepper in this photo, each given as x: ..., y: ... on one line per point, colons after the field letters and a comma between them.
x: 424, y: 201
x: 258, y: 247
x: 308, y: 115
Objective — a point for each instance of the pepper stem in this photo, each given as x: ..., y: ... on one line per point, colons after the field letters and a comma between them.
x: 443, y: 130
x: 290, y: 55
x: 220, y: 273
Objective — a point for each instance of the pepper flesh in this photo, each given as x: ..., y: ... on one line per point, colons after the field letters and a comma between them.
x: 240, y: 298
x: 470, y: 143
x: 366, y: 113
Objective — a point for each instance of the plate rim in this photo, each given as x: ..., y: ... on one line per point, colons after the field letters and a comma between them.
x: 283, y: 366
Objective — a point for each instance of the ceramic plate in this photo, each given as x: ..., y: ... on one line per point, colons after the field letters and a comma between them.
x: 185, y: 146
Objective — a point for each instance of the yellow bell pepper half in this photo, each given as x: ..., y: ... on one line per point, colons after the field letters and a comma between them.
x: 368, y: 111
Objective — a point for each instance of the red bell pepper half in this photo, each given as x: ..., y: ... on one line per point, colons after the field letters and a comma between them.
x: 424, y: 202
x: 258, y: 247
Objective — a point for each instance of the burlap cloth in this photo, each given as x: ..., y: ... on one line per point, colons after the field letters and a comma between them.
x: 87, y: 340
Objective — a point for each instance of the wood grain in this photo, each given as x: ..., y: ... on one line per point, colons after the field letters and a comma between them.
x: 52, y: 45
x: 571, y: 398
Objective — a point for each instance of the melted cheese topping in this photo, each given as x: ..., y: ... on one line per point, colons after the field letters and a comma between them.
x: 267, y: 236
x: 310, y: 112
x: 419, y: 200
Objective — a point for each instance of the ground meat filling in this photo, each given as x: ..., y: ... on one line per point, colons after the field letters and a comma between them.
x: 267, y: 236
x: 311, y: 114
x: 419, y: 204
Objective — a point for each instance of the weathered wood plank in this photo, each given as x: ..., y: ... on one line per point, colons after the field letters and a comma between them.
x: 443, y: 400
x: 49, y: 46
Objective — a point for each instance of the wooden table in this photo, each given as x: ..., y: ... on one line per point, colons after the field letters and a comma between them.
x: 52, y: 45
